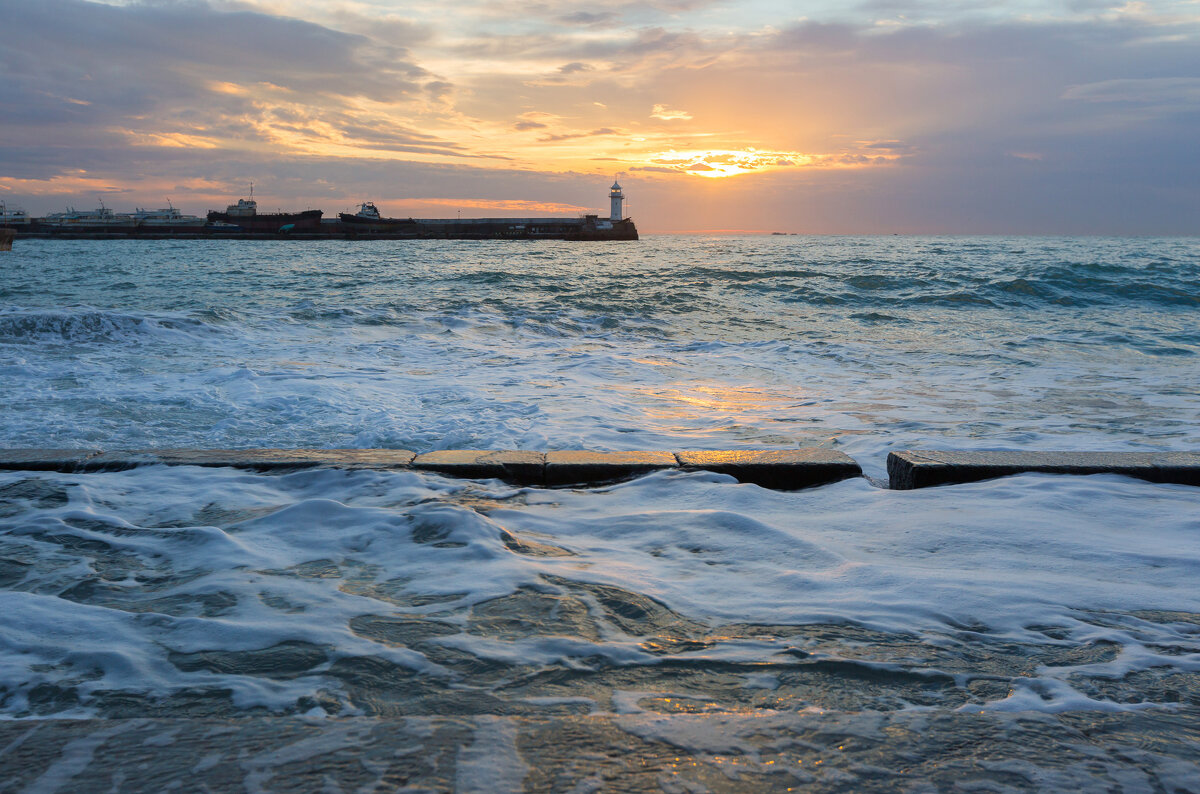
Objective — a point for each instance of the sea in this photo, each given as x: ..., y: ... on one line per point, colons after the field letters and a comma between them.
x: 371, y: 630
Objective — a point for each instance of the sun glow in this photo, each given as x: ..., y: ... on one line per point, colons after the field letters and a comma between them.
x: 720, y: 163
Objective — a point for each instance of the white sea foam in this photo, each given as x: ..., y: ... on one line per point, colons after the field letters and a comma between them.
x: 989, y: 562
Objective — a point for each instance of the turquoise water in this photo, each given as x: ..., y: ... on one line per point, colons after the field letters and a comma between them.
x: 674, y: 342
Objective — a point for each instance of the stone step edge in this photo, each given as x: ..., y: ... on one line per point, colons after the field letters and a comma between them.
x: 779, y: 469
x: 910, y: 469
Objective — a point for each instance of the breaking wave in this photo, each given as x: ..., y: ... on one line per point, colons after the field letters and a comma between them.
x: 86, y: 324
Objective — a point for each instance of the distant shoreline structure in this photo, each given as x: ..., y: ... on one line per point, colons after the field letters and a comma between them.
x: 242, y: 221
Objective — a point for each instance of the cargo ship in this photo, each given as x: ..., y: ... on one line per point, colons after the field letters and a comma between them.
x: 245, y: 216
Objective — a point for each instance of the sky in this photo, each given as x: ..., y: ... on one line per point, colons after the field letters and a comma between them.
x: 876, y: 117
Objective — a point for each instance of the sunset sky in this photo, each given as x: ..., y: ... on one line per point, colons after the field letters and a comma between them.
x: 760, y: 115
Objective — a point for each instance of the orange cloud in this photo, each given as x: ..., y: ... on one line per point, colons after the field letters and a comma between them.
x: 666, y: 114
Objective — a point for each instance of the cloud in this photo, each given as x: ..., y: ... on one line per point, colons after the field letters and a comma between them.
x: 657, y: 169
x: 439, y: 89
x: 666, y: 114
x: 591, y: 18
x: 1180, y: 91
x: 568, y: 136
x: 391, y: 29
x: 81, y: 77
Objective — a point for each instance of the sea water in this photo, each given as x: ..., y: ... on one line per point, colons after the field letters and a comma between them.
x: 214, y: 592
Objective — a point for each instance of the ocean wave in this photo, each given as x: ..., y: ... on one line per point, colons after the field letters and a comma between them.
x: 87, y: 324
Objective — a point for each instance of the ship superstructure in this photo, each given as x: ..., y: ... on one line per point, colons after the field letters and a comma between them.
x: 167, y: 217
x: 101, y: 219
x: 12, y: 216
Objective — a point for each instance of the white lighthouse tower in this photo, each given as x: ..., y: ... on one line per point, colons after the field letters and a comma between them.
x: 617, y: 197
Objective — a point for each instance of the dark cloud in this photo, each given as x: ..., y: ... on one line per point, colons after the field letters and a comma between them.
x: 528, y: 125
x: 439, y: 89
x: 629, y: 51
x: 104, y: 46
x: 1182, y: 92
x: 82, y: 76
x: 396, y: 139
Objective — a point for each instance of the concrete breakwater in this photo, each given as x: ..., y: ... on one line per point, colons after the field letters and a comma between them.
x: 588, y: 228
x: 777, y: 469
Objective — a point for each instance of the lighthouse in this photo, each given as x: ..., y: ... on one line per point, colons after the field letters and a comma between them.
x: 616, y: 196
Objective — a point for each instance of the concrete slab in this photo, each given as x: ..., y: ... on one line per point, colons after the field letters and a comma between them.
x: 512, y: 465
x: 910, y: 469
x: 567, y: 467
x: 64, y: 460
x: 784, y: 469
x: 256, y: 459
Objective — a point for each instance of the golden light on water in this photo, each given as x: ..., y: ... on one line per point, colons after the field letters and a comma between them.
x: 678, y: 400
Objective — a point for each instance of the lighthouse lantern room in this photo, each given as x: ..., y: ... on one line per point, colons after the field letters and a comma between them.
x: 617, y: 197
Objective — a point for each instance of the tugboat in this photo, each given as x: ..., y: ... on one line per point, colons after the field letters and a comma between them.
x: 367, y: 220
x: 245, y: 216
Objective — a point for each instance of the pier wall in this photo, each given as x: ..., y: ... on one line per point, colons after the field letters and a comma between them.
x: 432, y: 229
